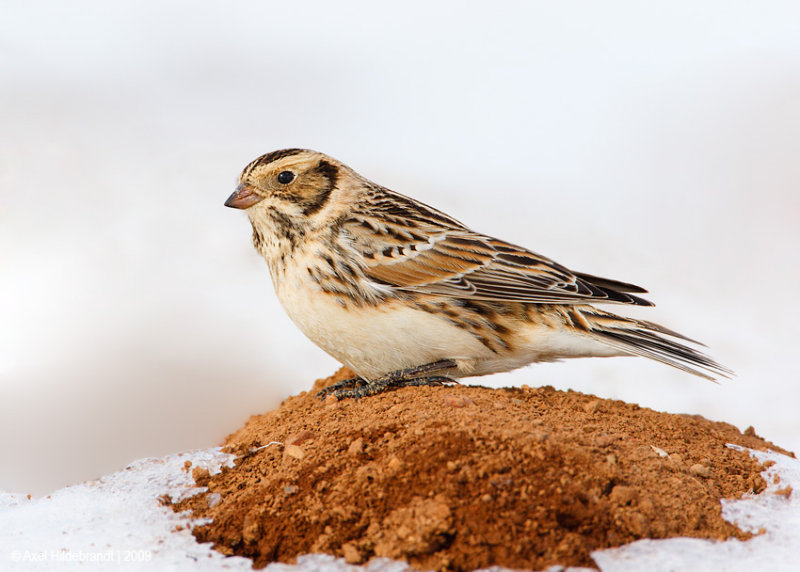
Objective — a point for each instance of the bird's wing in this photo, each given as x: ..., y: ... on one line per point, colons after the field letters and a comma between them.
x: 409, y: 246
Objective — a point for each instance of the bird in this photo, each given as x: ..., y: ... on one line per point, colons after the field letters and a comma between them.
x: 404, y: 294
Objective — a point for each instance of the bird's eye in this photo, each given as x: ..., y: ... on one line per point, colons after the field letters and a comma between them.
x: 285, y: 177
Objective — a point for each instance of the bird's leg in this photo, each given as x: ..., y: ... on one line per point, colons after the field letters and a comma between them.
x: 413, y: 376
x: 380, y: 385
x: 417, y: 381
x: 350, y: 383
x: 420, y: 370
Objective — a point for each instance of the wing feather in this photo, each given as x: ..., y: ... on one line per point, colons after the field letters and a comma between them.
x: 413, y: 247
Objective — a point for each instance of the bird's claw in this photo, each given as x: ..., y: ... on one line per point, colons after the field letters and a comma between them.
x: 360, y: 388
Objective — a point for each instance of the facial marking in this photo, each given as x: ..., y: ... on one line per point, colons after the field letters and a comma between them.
x: 329, y: 175
x: 269, y: 158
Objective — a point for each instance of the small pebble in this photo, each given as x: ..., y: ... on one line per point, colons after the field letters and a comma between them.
x: 298, y: 438
x: 700, y: 470
x: 356, y: 446
x: 457, y: 400
x: 201, y: 476
x: 592, y: 406
x: 394, y: 464
x: 294, y: 452
x: 623, y: 495
x: 352, y: 555
x: 637, y: 524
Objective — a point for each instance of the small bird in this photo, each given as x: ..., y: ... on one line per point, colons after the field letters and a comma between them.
x: 404, y: 294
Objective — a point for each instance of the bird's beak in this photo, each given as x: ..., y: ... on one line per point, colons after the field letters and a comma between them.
x: 243, y: 197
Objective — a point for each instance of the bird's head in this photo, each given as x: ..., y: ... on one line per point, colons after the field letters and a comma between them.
x: 294, y: 182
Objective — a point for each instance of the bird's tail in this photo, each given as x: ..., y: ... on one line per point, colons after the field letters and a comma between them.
x: 639, y: 337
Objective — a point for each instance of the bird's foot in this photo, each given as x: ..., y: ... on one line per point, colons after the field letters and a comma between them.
x: 357, y: 388
x: 343, y: 385
x: 367, y: 388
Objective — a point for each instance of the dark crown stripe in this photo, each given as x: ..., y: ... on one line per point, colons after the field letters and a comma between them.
x: 271, y: 157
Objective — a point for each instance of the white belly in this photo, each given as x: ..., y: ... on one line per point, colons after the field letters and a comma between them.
x: 374, y: 341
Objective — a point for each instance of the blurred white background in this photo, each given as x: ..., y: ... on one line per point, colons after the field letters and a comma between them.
x: 656, y: 143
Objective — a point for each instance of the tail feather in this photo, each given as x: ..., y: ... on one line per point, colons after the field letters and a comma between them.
x: 653, y: 341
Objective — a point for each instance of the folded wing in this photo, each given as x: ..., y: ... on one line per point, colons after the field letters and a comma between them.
x: 412, y: 247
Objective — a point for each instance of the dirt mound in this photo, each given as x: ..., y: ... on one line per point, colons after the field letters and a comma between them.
x: 467, y: 477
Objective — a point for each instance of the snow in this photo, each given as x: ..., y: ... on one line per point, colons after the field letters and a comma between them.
x: 118, y: 520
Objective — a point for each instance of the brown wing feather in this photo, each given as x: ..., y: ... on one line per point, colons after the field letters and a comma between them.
x: 420, y: 249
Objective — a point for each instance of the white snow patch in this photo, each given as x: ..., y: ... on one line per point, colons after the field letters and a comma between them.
x: 119, y: 522
x: 116, y: 521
